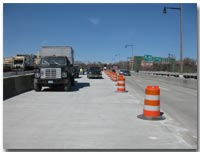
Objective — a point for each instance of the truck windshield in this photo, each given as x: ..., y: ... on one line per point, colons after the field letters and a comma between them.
x: 53, y: 60
x: 18, y: 61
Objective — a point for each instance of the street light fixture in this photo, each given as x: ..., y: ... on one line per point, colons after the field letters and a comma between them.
x: 164, y: 10
x: 181, y: 51
x: 130, y: 45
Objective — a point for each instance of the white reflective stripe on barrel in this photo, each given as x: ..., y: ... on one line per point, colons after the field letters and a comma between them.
x: 152, y: 108
x: 121, y: 87
x: 152, y: 97
x: 121, y: 82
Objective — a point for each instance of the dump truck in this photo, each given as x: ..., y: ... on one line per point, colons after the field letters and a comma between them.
x: 56, y: 68
x: 23, y: 62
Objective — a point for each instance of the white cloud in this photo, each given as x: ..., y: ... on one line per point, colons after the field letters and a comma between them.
x: 94, y: 20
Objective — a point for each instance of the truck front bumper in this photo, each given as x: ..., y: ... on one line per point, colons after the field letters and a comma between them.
x: 51, y: 82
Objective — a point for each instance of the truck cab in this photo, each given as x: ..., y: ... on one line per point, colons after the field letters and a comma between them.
x: 23, y: 62
x: 54, y: 71
x: 18, y: 63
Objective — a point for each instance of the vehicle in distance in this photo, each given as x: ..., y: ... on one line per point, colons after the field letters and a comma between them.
x: 94, y: 72
x: 125, y: 72
x: 55, y: 68
x: 23, y: 62
x: 7, y: 64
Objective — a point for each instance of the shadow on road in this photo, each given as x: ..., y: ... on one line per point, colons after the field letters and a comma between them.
x: 78, y: 77
x: 95, y: 78
x: 76, y: 87
x: 80, y: 85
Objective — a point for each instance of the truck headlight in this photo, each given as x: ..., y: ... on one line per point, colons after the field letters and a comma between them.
x: 64, y: 74
x: 37, y: 75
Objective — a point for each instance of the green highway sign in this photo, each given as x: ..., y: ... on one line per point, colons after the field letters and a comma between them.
x: 148, y: 58
x: 157, y: 59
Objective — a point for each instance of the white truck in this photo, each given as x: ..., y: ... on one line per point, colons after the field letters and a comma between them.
x: 23, y: 62
x: 7, y: 64
x: 55, y: 68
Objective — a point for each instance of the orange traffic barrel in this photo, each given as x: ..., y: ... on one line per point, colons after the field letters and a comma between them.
x: 114, y: 77
x: 151, y: 108
x: 111, y: 75
x: 121, y: 84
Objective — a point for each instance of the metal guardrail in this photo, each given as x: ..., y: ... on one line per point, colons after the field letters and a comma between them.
x: 172, y: 74
x: 15, y: 73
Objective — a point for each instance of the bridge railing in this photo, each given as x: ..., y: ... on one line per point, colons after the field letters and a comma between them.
x: 14, y: 73
x: 167, y: 78
x: 171, y: 74
x: 15, y: 85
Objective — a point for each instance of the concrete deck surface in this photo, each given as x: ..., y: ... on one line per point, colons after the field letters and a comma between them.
x: 92, y: 116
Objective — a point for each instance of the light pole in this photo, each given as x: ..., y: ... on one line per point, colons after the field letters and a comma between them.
x: 119, y: 59
x: 130, y: 45
x: 181, y: 51
x: 118, y: 55
x: 128, y: 63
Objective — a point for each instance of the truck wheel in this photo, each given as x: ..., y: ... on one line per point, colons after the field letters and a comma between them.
x: 37, y: 87
x: 67, y: 87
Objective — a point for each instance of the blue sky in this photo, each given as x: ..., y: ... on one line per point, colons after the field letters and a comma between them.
x: 98, y: 32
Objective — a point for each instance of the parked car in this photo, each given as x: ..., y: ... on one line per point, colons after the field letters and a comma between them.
x: 125, y: 72
x: 94, y: 72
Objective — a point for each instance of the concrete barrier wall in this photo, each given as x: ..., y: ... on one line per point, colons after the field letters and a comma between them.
x: 187, y: 83
x: 15, y: 85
